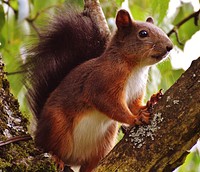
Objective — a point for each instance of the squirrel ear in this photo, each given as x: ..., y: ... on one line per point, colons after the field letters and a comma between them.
x: 150, y: 20
x: 123, y: 19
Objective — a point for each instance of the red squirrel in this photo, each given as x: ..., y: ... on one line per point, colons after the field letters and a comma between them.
x: 82, y: 87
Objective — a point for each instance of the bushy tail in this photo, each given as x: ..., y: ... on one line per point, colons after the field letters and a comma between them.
x: 70, y: 39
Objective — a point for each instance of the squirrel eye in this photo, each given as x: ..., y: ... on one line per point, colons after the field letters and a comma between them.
x: 143, y: 34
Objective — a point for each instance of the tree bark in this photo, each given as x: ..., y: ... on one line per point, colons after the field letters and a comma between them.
x: 93, y: 9
x: 163, y: 144
x: 17, y: 149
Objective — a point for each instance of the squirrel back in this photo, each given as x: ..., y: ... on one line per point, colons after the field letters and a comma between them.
x: 69, y: 40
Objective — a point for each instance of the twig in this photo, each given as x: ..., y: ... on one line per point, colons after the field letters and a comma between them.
x: 14, y: 73
x: 177, y: 37
x: 33, y: 19
x: 178, y: 25
x: 8, y: 3
x: 42, y: 11
x: 31, y: 22
x: 15, y: 139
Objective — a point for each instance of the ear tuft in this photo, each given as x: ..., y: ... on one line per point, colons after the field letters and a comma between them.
x: 123, y: 19
x: 150, y: 20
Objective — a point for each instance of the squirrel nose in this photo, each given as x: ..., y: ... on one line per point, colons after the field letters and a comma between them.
x: 169, y: 47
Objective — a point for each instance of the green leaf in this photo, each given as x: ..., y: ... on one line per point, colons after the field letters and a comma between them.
x: 186, y: 30
x: 2, y: 17
x: 183, y: 11
x: 139, y: 9
x: 2, y: 41
x: 169, y: 75
x: 119, y: 2
x: 191, y: 163
x: 153, y: 82
x: 155, y: 8
x: 159, y: 9
x: 161, y: 76
x: 14, y: 4
x: 138, y: 13
x: 38, y: 5
x: 42, y: 4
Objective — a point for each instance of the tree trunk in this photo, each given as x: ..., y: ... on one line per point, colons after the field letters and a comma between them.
x: 17, y: 149
x: 163, y: 144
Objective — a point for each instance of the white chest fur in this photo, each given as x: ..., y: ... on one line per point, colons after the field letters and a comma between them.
x: 87, y: 134
x: 136, y: 84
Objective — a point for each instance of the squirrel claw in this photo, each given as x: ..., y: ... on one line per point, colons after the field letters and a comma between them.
x: 144, y: 115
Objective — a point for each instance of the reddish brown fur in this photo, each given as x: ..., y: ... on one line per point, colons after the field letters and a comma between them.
x: 69, y: 39
x: 58, y: 130
x: 95, y: 93
x: 136, y: 105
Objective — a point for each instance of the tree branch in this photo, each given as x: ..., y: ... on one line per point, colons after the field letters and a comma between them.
x: 163, y: 144
x: 93, y: 9
x: 21, y: 156
x: 15, y: 139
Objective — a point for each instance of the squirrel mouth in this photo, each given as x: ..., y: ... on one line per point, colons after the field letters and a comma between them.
x: 160, y: 56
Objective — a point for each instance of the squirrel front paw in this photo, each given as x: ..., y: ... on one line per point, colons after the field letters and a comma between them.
x: 145, y: 112
x: 143, y: 116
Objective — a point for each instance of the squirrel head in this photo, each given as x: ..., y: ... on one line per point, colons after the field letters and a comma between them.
x: 140, y: 42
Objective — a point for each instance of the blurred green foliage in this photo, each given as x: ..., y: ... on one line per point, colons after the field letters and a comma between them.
x: 15, y: 36
x: 186, y: 31
x: 192, y: 162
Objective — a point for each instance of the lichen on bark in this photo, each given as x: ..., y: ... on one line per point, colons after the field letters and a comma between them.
x: 21, y: 155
